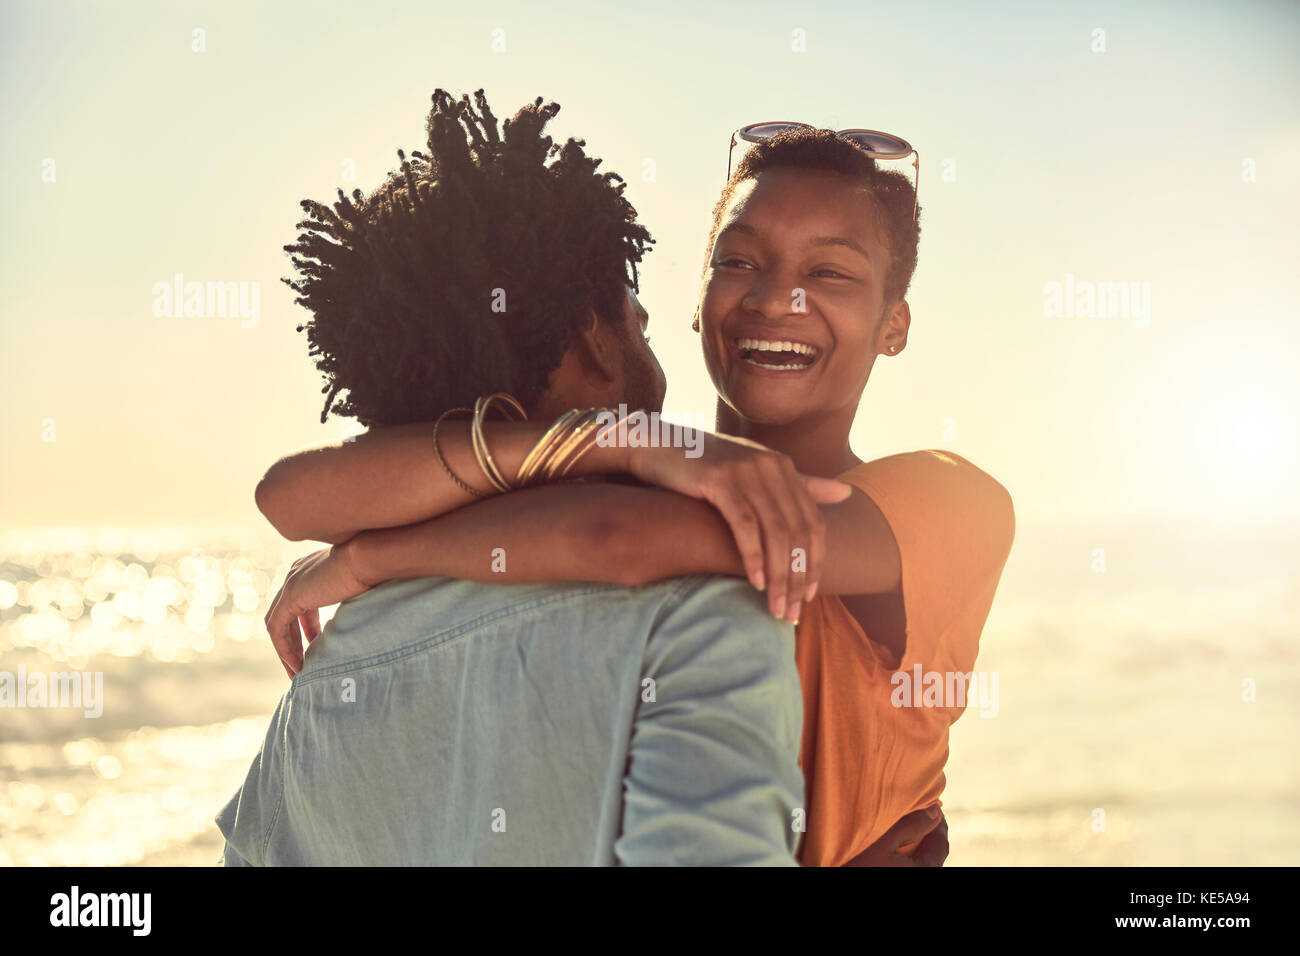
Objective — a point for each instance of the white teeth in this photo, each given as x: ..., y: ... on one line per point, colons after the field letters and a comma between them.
x: 763, y: 345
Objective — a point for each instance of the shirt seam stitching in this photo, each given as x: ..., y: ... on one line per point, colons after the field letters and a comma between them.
x: 437, y: 637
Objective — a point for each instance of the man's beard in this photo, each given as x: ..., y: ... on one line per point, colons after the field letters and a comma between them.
x: 641, y: 392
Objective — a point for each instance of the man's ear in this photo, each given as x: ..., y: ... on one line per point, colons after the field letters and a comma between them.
x: 596, y: 350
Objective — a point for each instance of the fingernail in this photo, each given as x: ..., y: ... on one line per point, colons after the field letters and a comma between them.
x: 778, y: 607
x: 812, y: 592
x: 759, y: 582
x: 792, y: 615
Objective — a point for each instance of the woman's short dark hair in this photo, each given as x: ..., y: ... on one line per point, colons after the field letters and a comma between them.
x: 822, y: 150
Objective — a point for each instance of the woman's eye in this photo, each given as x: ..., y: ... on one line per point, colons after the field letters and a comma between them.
x: 733, y: 263
x: 830, y: 273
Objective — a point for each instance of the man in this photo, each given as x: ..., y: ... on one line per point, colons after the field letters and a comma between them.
x: 440, y: 722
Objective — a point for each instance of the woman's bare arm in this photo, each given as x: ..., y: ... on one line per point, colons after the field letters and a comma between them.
x: 612, y: 533
x: 571, y: 532
x: 392, y: 477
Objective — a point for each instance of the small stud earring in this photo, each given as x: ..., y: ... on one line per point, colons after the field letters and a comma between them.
x: 893, y: 349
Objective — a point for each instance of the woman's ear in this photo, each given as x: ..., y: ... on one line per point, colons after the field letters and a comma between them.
x: 891, y: 335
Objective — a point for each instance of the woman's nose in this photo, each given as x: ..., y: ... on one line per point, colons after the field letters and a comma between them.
x: 775, y: 297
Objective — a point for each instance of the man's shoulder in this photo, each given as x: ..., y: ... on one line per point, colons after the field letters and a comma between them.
x: 724, y: 613
x: 464, y: 601
x: 395, y: 614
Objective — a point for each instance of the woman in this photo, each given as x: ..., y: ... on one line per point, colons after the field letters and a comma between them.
x: 810, y: 255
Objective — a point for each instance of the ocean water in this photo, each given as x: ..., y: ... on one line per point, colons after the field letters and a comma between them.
x: 1147, y: 708
x: 173, y: 622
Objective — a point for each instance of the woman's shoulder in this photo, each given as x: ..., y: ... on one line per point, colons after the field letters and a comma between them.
x: 936, y: 482
x: 926, y: 461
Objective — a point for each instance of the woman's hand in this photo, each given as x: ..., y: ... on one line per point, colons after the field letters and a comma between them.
x: 927, y: 826
x: 318, y: 580
x: 770, y: 508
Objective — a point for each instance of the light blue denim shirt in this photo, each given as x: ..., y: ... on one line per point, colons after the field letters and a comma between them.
x: 440, y: 722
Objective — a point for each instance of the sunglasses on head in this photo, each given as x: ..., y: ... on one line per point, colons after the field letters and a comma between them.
x: 876, y: 144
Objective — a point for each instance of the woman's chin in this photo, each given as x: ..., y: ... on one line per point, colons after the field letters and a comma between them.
x: 766, y: 410
x: 762, y: 399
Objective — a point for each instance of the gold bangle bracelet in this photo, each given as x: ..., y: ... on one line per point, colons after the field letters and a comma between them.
x: 477, y: 442
x: 481, y: 407
x: 598, y: 428
x: 574, y: 445
x: 557, y: 452
x: 585, y: 443
x: 542, y: 472
x: 487, y: 452
x: 437, y: 450
x: 536, y: 459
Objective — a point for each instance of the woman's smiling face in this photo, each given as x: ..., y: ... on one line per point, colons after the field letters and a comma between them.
x: 793, y: 295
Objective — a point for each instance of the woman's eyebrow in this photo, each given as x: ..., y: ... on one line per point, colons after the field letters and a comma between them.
x: 740, y: 227
x: 748, y: 230
x: 842, y: 241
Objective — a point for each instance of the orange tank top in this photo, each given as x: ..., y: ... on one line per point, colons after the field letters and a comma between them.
x: 875, y: 731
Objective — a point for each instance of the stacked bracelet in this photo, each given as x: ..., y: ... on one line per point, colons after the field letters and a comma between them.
x: 556, y: 453
x: 481, y: 451
x: 575, y: 444
x: 535, y: 460
x: 559, y: 450
x: 437, y: 450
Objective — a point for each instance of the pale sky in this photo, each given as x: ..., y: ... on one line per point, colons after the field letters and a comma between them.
x: 1166, y: 160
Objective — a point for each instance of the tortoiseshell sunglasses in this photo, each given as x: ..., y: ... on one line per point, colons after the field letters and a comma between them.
x: 876, y: 144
